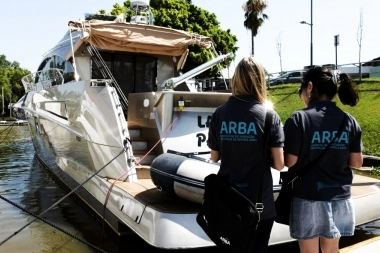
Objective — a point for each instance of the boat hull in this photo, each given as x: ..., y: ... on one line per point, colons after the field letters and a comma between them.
x: 144, y: 214
x: 157, y: 214
x: 151, y: 214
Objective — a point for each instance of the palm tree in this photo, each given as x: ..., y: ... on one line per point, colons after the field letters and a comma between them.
x: 254, y: 17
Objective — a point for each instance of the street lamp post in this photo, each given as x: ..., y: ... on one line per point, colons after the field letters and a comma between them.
x: 311, y: 32
x: 336, y: 44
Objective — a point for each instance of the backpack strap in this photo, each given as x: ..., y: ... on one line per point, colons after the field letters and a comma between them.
x: 298, y: 172
x: 266, y: 155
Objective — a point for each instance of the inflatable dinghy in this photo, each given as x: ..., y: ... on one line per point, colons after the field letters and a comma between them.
x: 181, y: 175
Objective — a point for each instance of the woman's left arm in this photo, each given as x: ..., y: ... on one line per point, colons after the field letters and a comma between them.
x: 278, y: 158
x: 215, y: 155
x: 355, y: 160
x: 290, y: 160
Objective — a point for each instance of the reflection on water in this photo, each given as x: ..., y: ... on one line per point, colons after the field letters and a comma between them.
x: 24, y: 182
x: 371, y: 228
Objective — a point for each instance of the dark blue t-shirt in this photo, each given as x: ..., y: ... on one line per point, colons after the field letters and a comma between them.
x: 236, y: 131
x: 307, y: 133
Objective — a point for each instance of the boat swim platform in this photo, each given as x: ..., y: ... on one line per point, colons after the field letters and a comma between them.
x: 144, y: 191
x: 147, y: 193
x: 367, y: 246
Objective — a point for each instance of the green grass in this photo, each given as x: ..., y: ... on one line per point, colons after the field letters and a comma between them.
x: 375, y: 171
x: 367, y: 112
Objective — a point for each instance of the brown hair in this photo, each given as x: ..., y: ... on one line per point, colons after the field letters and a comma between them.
x: 326, y: 82
x: 249, y: 79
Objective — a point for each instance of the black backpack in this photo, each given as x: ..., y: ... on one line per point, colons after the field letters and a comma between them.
x: 227, y: 216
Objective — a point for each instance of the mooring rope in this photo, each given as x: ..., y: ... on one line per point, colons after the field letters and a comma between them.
x: 8, y: 128
x: 56, y: 203
x: 51, y: 224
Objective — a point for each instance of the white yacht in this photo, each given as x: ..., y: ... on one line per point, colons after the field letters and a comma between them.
x: 108, y: 103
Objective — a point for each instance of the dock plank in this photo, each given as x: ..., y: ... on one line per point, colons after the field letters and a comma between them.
x: 367, y: 246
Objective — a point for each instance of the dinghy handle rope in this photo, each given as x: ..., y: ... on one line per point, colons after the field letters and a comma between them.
x: 64, y: 197
x: 163, y: 136
x: 51, y: 224
x: 110, y: 189
x: 193, y: 155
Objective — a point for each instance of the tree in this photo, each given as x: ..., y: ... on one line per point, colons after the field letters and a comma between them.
x: 183, y: 15
x: 10, y: 80
x: 254, y: 17
x: 359, y: 39
x: 4, y: 62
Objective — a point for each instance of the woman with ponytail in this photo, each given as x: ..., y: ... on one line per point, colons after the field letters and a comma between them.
x: 322, y: 209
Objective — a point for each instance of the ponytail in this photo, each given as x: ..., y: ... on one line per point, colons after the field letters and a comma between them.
x: 347, y: 93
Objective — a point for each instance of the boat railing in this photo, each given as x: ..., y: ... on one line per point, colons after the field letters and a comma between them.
x: 42, y: 79
x: 175, y: 81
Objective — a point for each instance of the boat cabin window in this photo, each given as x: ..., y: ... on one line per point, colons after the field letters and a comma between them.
x: 57, y: 62
x: 133, y: 73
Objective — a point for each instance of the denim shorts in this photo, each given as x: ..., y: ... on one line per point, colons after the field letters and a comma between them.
x: 330, y: 219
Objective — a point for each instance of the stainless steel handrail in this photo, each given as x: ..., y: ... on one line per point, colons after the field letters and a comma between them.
x: 42, y: 79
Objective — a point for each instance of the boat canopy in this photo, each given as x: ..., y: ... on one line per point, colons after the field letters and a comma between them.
x: 137, y: 38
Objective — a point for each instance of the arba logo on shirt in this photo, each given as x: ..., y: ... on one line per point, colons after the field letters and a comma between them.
x: 327, y: 137
x: 232, y: 127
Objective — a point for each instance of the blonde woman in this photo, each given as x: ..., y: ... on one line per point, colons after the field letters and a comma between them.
x: 236, y: 138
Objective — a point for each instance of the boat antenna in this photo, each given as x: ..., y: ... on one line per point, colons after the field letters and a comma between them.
x: 72, y: 53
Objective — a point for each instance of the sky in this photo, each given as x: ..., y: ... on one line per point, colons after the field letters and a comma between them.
x: 30, y: 28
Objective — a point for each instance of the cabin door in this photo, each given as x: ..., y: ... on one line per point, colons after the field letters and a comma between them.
x: 133, y: 73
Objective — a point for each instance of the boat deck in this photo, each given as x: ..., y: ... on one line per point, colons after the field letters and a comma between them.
x: 147, y: 193
x: 144, y: 191
x: 363, y: 186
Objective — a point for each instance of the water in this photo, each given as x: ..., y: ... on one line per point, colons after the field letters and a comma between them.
x: 24, y: 182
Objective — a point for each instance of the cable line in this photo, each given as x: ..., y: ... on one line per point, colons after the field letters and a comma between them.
x: 51, y: 224
x: 55, y: 204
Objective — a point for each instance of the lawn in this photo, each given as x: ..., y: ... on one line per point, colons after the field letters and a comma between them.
x: 367, y: 112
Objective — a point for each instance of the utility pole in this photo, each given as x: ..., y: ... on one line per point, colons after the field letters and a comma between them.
x: 311, y: 32
x: 336, y: 43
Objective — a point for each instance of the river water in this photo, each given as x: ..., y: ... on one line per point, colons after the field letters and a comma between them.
x: 24, y: 183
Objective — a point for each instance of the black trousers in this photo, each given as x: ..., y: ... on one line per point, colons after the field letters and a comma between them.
x: 263, y: 231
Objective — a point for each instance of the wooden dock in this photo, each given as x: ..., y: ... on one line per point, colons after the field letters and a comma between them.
x: 367, y: 246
